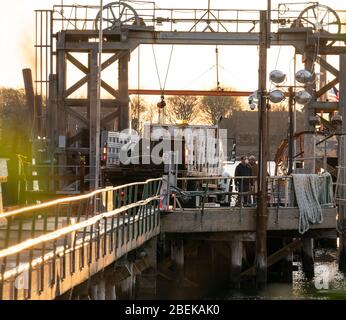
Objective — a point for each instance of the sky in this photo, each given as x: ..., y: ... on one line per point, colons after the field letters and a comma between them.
x: 192, y: 67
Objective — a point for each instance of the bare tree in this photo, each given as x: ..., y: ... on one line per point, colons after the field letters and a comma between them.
x: 138, y: 108
x: 217, y: 107
x: 151, y: 113
x: 181, y: 108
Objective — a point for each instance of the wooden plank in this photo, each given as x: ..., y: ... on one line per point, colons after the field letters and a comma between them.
x: 75, y: 114
x: 106, y: 103
x: 327, y: 87
x: 77, y: 63
x: 109, y: 118
x: 277, y: 256
x: 236, y: 219
x: 109, y: 89
x: 76, y: 86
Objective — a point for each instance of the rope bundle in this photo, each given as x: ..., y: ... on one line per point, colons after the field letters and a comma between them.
x: 311, y: 191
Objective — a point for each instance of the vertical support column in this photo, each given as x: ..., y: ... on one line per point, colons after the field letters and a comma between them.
x: 30, y: 98
x: 287, y: 264
x: 83, y: 291
x: 177, y: 255
x: 93, y: 121
x: 124, y: 99
x: 236, y: 263
x: 52, y: 129
x: 308, y: 257
x: 62, y: 117
x: 309, y: 166
x: 262, y: 209
x: 110, y: 287
x: 93, y: 288
x: 101, y: 288
x: 309, y: 138
x: 53, y: 112
x: 146, y: 282
x: 342, y: 163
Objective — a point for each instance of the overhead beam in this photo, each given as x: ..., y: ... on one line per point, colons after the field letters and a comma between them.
x: 324, y: 106
x: 136, y: 38
x: 80, y: 103
x: 156, y: 92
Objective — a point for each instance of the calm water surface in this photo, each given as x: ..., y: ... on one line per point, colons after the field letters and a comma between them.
x: 328, y: 283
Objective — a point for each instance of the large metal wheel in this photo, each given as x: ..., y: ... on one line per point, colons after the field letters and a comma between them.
x: 115, y: 15
x: 322, y: 19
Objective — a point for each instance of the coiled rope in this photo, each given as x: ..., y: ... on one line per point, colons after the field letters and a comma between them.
x: 311, y: 191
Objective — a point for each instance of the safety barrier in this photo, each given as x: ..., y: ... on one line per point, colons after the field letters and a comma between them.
x: 104, y: 220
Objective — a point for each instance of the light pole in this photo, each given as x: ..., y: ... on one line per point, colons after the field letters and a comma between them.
x: 303, y: 97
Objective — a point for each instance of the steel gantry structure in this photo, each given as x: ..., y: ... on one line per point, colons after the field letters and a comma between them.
x: 68, y: 36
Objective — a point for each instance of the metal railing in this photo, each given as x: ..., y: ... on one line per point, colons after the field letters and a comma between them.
x: 240, y: 191
x: 38, y: 235
x: 83, y: 17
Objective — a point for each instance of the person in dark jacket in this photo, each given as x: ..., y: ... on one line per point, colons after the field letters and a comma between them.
x: 254, y: 173
x: 243, y: 169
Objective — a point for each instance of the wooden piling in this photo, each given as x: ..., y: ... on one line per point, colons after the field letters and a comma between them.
x: 236, y: 263
x: 308, y: 257
x: 124, y: 91
x: 262, y: 208
x: 146, y: 281
x: 93, y: 290
x: 177, y: 255
x: 287, y: 264
x: 101, y: 288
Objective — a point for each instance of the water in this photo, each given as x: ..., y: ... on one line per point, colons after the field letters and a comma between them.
x: 328, y: 284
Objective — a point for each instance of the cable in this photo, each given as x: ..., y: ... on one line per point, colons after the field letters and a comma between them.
x: 200, y: 76
x: 162, y: 88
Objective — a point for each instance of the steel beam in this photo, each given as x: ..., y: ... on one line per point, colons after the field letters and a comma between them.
x: 342, y: 164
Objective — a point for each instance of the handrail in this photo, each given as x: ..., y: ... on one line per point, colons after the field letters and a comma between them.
x: 70, y: 229
x: 72, y: 199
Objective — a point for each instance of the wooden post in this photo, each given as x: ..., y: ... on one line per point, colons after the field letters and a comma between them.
x: 309, y: 138
x: 308, y: 257
x: 94, y: 120
x: 124, y: 91
x: 83, y: 291
x: 62, y: 117
x: 93, y: 289
x: 236, y: 263
x: 52, y: 129
x: 146, y: 282
x: 342, y: 163
x: 177, y: 255
x: 30, y: 97
x: 290, y: 132
x: 287, y: 263
x: 38, y: 120
x: 262, y: 209
x: 309, y: 167
x: 101, y: 288
x: 110, y: 290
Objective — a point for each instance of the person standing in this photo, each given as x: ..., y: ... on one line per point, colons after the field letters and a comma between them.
x: 243, y: 170
x: 254, y: 173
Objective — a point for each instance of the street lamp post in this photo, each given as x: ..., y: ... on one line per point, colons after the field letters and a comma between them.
x: 301, y: 96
